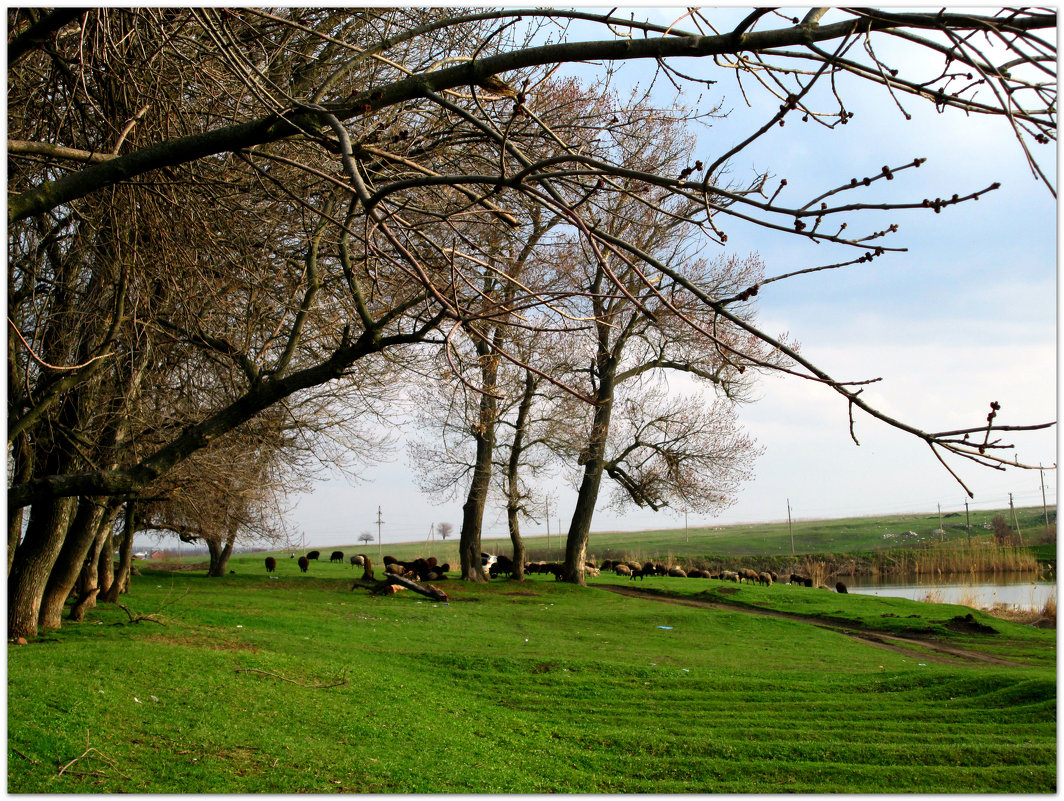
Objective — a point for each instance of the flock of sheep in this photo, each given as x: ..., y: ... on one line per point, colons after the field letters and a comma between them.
x: 429, y: 569
x: 765, y: 577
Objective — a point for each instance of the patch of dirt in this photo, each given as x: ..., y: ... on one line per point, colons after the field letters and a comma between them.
x: 913, y: 646
x: 969, y: 625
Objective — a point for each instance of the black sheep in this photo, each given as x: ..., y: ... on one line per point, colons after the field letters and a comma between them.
x: 271, y: 564
x: 840, y: 587
x: 337, y: 556
x: 313, y: 554
x: 304, y: 563
x: 503, y: 565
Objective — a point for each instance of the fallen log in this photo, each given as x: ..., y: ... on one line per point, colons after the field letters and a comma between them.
x: 428, y: 590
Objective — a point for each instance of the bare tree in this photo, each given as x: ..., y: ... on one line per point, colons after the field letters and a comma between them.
x: 241, y: 205
x: 445, y: 530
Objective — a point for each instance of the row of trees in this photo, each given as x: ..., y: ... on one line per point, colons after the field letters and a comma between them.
x: 235, y: 234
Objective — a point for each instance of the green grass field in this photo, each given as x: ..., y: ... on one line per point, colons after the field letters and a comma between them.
x: 302, y: 684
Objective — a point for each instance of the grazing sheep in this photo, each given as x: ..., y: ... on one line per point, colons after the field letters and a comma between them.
x: 271, y: 564
x: 503, y: 565
x: 304, y: 563
x: 677, y: 572
x: 637, y: 574
x: 356, y: 560
x: 337, y: 556
x: 313, y: 554
x: 697, y: 573
x: 729, y: 575
x: 765, y: 579
x: 748, y: 574
x: 840, y: 587
x: 591, y: 572
x: 622, y: 570
x: 775, y: 576
x: 801, y: 581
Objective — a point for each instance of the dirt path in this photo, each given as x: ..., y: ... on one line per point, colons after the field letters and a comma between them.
x: 916, y: 647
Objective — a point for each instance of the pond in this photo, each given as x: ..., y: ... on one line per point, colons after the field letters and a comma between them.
x: 1019, y: 590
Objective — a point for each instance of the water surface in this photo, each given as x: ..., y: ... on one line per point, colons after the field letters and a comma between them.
x: 1020, y: 590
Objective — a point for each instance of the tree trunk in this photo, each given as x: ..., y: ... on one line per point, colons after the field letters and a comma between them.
x: 88, y: 583
x: 120, y: 582
x: 220, y: 553
x: 105, y: 572
x: 22, y: 458
x: 518, y: 573
x: 473, y: 509
x: 70, y: 562
x: 34, y: 560
x: 513, y: 466
x: 587, y: 497
x: 477, y: 499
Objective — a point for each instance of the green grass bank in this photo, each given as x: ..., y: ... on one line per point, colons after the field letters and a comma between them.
x: 300, y: 684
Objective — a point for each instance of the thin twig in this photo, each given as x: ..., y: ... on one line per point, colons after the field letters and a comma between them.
x: 103, y: 756
x: 343, y: 679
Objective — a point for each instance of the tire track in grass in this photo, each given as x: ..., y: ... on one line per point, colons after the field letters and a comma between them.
x: 923, y: 648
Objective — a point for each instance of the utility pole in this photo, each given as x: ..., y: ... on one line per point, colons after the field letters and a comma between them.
x: 1015, y: 520
x: 380, y: 522
x: 1042, y: 479
x: 432, y: 533
x: 967, y: 522
x: 789, y: 529
x: 546, y: 512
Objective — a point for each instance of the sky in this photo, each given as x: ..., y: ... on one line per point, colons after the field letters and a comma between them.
x: 966, y: 316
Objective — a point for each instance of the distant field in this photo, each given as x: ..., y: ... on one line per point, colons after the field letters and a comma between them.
x: 849, y: 535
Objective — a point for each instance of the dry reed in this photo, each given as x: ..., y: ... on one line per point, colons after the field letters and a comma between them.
x: 960, y: 556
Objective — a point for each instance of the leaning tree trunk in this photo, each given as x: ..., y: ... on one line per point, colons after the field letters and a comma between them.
x: 88, y: 586
x: 120, y: 581
x: 34, y: 560
x: 105, y: 560
x: 587, y: 497
x: 71, y: 559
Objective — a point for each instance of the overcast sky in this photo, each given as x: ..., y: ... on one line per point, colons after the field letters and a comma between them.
x: 965, y: 317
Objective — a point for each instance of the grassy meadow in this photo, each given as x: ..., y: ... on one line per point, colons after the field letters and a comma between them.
x: 299, y: 683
